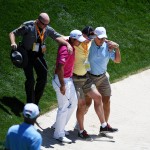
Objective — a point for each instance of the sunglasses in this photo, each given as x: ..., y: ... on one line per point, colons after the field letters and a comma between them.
x: 43, y: 23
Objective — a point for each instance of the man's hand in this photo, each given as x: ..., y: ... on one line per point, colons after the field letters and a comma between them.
x: 63, y: 90
x: 112, y: 45
x: 62, y: 41
x: 14, y: 46
x: 70, y: 49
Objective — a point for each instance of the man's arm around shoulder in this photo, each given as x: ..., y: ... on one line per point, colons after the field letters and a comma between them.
x: 61, y: 40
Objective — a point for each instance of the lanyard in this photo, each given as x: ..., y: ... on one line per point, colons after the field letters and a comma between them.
x: 41, y: 35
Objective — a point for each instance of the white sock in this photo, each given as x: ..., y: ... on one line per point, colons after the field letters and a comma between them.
x: 81, y: 131
x: 104, y: 125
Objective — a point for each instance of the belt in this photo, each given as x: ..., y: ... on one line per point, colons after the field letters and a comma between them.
x: 78, y: 76
x: 95, y: 75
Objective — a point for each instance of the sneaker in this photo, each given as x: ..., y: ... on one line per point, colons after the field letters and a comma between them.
x: 107, y: 129
x: 112, y: 129
x: 64, y: 139
x: 84, y: 135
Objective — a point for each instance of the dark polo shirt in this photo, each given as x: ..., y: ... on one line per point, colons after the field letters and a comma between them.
x: 29, y: 33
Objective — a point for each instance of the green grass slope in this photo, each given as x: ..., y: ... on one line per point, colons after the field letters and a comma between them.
x: 127, y: 23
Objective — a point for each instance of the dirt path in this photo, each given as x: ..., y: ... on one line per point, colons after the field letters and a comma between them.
x: 130, y: 112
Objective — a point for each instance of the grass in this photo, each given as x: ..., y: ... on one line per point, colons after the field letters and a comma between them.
x: 127, y: 23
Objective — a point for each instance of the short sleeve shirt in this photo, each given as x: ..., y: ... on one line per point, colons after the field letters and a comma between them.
x: 99, y: 57
x: 81, y: 54
x: 67, y: 59
x: 30, y: 35
x: 23, y: 137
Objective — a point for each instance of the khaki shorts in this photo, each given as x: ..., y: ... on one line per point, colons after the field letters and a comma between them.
x: 82, y: 86
x: 102, y: 83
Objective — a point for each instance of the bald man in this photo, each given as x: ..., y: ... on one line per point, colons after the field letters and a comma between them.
x: 34, y: 34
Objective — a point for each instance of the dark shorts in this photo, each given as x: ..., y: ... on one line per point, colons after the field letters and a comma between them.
x: 102, y: 83
x: 83, y: 84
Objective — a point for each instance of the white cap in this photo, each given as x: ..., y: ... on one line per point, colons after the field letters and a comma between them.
x: 100, y: 32
x: 31, y: 111
x: 77, y: 34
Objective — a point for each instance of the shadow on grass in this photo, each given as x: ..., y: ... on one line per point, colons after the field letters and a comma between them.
x: 1, y: 145
x: 15, y: 105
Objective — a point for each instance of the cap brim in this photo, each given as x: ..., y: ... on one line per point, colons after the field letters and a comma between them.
x: 81, y: 39
x: 27, y: 115
x: 102, y: 36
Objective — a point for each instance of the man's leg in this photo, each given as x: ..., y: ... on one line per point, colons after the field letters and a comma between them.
x: 41, y: 71
x: 106, y: 106
x: 62, y: 112
x: 29, y: 83
x: 105, y: 89
x: 98, y: 105
x: 71, y: 93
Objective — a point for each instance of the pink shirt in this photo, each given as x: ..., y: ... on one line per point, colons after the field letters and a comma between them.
x: 63, y: 57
